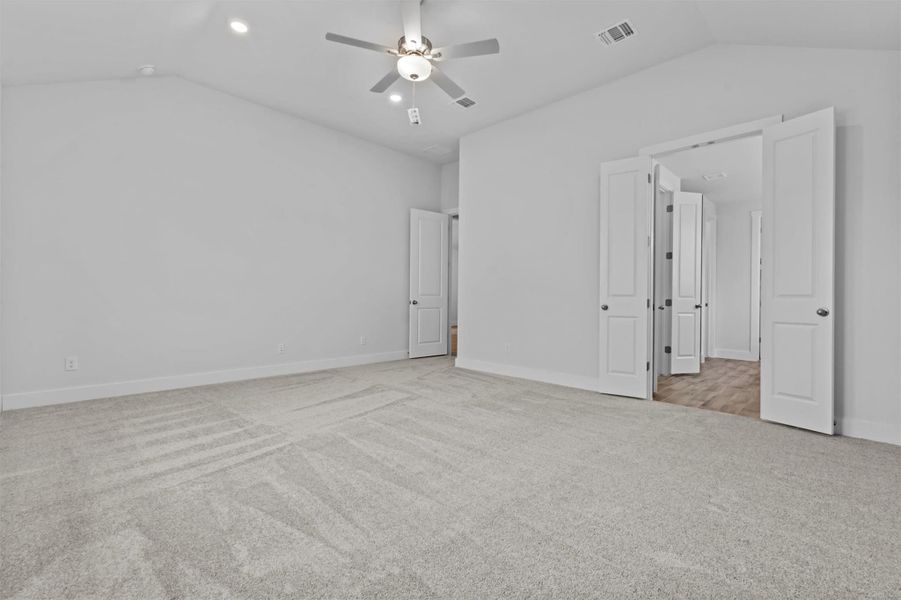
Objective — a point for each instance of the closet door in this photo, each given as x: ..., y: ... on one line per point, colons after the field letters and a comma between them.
x: 685, y: 353
x: 796, y: 383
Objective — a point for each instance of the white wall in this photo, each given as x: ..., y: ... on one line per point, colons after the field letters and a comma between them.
x: 450, y: 185
x: 734, y: 337
x: 163, y: 231
x: 529, y: 193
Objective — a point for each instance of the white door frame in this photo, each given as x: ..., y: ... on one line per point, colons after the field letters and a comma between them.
x: 732, y: 132
x: 665, y: 181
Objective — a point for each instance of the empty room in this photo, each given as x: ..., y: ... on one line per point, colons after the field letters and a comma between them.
x: 450, y: 299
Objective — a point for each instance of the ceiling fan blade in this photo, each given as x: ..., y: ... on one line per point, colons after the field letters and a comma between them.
x: 469, y: 49
x: 343, y: 39
x: 444, y: 82
x: 412, y: 22
x: 385, y: 82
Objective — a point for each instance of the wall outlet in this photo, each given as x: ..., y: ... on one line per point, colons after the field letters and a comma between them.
x: 362, y: 340
x: 282, y: 348
x: 71, y: 363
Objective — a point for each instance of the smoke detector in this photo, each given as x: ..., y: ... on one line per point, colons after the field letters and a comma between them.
x: 616, y: 33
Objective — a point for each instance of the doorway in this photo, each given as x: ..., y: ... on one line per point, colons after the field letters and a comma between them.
x: 796, y: 254
x: 434, y: 282
x: 708, y: 205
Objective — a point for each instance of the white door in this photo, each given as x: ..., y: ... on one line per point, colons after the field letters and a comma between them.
x: 428, y: 283
x: 626, y: 198
x: 685, y: 353
x: 796, y: 379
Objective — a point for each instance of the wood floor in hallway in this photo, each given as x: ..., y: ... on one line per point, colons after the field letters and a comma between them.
x: 730, y: 386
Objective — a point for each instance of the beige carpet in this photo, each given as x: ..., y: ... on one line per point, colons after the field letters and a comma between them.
x: 416, y: 480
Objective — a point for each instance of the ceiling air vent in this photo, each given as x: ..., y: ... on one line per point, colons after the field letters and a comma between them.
x: 466, y: 102
x: 617, y: 33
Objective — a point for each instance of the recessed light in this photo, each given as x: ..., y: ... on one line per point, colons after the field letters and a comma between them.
x: 238, y: 26
x: 395, y: 97
x: 147, y: 70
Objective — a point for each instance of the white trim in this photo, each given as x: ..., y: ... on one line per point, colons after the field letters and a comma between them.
x: 554, y: 377
x: 754, y: 302
x: 172, y: 382
x: 869, y: 430
x: 717, y: 135
x: 734, y: 354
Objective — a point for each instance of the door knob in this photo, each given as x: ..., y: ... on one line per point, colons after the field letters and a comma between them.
x: 604, y: 307
x: 823, y: 312
x: 697, y: 306
x: 414, y: 301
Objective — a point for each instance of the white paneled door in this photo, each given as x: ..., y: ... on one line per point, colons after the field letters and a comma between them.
x: 685, y: 352
x: 796, y: 383
x: 624, y: 277
x: 428, y: 283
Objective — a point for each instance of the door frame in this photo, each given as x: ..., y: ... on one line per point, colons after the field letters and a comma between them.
x: 724, y: 134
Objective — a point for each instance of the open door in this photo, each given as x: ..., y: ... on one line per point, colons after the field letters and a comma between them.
x: 626, y: 198
x: 796, y: 379
x: 685, y: 354
x: 428, y: 283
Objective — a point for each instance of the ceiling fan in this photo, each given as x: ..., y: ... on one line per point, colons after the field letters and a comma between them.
x: 415, y: 56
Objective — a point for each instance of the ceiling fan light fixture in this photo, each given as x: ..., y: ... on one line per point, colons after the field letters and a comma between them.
x: 414, y: 67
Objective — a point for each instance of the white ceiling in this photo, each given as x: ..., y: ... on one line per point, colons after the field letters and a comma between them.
x: 741, y: 160
x: 548, y: 50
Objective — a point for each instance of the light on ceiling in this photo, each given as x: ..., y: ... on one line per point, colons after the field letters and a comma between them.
x: 395, y: 97
x: 414, y: 67
x: 146, y: 70
x: 714, y: 176
x: 238, y: 26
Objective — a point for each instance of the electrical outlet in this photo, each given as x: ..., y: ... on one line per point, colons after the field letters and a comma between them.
x: 71, y: 363
x: 282, y: 348
x: 362, y: 340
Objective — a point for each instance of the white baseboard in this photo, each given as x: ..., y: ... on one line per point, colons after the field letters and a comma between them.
x: 159, y: 384
x: 554, y: 377
x: 870, y: 430
x: 734, y: 355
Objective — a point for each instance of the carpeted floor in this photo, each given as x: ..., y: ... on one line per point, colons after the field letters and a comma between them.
x: 417, y: 480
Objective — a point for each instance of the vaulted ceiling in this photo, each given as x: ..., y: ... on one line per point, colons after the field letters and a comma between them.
x: 548, y: 50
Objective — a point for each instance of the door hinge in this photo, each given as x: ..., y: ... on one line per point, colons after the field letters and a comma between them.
x: 648, y: 365
x: 649, y: 303
x: 649, y: 178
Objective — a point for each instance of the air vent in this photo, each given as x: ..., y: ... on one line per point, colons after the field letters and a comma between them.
x: 466, y: 102
x: 617, y: 33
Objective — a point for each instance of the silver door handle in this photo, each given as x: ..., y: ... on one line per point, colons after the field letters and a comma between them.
x: 698, y: 306
x: 414, y: 301
x: 604, y: 307
x: 823, y: 312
